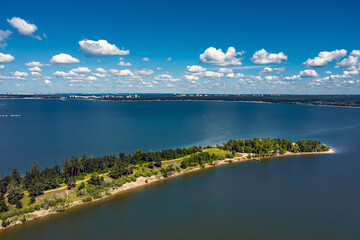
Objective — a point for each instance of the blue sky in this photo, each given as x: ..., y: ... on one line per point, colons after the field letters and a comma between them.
x: 193, y: 46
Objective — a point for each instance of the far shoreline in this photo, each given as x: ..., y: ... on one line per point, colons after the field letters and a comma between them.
x: 183, y: 100
x: 144, y: 181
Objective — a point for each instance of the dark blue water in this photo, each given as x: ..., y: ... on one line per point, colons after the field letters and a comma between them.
x: 310, y: 197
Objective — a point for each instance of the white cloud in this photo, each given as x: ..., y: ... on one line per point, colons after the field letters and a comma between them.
x: 272, y: 78
x: 47, y: 82
x: 266, y: 70
x: 355, y: 53
x: 6, y: 58
x: 81, y: 70
x: 195, y: 68
x: 218, y: 57
x: 24, y: 27
x: 166, y: 78
x: 101, y: 75
x: 352, y: 62
x: 34, y: 64
x: 324, y: 58
x: 169, y: 59
x: 91, y: 78
x: 65, y: 74
x: 101, y: 70
x: 309, y: 73
x: 35, y: 74
x: 4, y: 35
x: 63, y: 58
x: 125, y: 72
x: 209, y: 74
x: 2, y: 66
x: 191, y: 78
x: 263, y: 57
x: 20, y: 74
x: 100, y: 48
x: 145, y: 59
x: 293, y: 78
x: 124, y: 64
x: 328, y: 72
x: 145, y: 72
x: 35, y: 69
x: 225, y: 70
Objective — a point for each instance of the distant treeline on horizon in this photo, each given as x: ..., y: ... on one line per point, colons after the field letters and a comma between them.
x: 328, y: 100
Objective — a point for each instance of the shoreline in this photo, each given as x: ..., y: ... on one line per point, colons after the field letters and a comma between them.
x: 143, y: 181
x: 180, y: 100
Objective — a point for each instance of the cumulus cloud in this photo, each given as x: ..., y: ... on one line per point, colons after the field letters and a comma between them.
x: 124, y: 64
x: 209, y: 74
x: 266, y: 70
x: 145, y: 59
x: 81, y: 70
x: 191, y: 78
x: 232, y: 75
x: 63, y: 58
x: 101, y: 70
x: 24, y: 27
x: 2, y: 66
x: 101, y: 75
x: 292, y: 78
x: 309, y: 73
x: 219, y: 58
x: 35, y: 69
x: 225, y: 70
x: 263, y: 57
x: 20, y: 74
x: 4, y: 35
x: 166, y: 78
x: 34, y: 64
x: 352, y: 62
x: 63, y: 74
x: 125, y: 72
x: 355, y: 53
x: 100, y: 48
x: 6, y: 58
x: 195, y: 68
x: 324, y: 58
x: 91, y: 78
x: 47, y: 82
x: 35, y: 74
x: 144, y: 72
x: 169, y: 59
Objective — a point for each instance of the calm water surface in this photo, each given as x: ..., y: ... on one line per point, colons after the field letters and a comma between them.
x: 310, y: 197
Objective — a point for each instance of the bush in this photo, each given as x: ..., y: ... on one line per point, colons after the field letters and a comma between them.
x: 5, y: 223
x: 32, y: 200
x: 19, y: 204
x: 87, y: 199
x: 37, y: 207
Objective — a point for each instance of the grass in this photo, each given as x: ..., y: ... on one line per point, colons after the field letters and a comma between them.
x: 217, y: 151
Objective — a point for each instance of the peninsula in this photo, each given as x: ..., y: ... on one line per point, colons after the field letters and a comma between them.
x: 81, y: 180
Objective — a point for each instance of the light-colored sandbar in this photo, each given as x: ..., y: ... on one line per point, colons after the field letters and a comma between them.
x: 141, y: 181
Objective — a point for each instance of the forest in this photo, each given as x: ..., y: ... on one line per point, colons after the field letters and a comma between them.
x: 126, y: 168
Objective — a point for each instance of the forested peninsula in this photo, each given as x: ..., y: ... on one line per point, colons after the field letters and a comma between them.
x: 39, y: 193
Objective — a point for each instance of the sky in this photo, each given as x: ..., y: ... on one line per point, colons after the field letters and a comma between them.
x: 229, y: 47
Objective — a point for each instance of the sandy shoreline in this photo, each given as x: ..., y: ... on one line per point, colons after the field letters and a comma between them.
x: 142, y: 181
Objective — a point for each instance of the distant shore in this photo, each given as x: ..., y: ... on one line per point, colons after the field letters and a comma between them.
x: 142, y: 181
x: 183, y: 100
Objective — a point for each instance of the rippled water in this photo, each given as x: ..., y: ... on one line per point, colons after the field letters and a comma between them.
x: 309, y: 197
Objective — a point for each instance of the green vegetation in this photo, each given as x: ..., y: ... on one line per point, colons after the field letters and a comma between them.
x: 85, y: 179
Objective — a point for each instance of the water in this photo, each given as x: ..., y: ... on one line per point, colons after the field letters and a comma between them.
x: 309, y: 197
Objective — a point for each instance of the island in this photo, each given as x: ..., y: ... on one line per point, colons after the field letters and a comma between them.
x: 40, y: 193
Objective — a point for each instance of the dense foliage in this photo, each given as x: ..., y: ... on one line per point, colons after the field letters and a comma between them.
x: 126, y: 168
